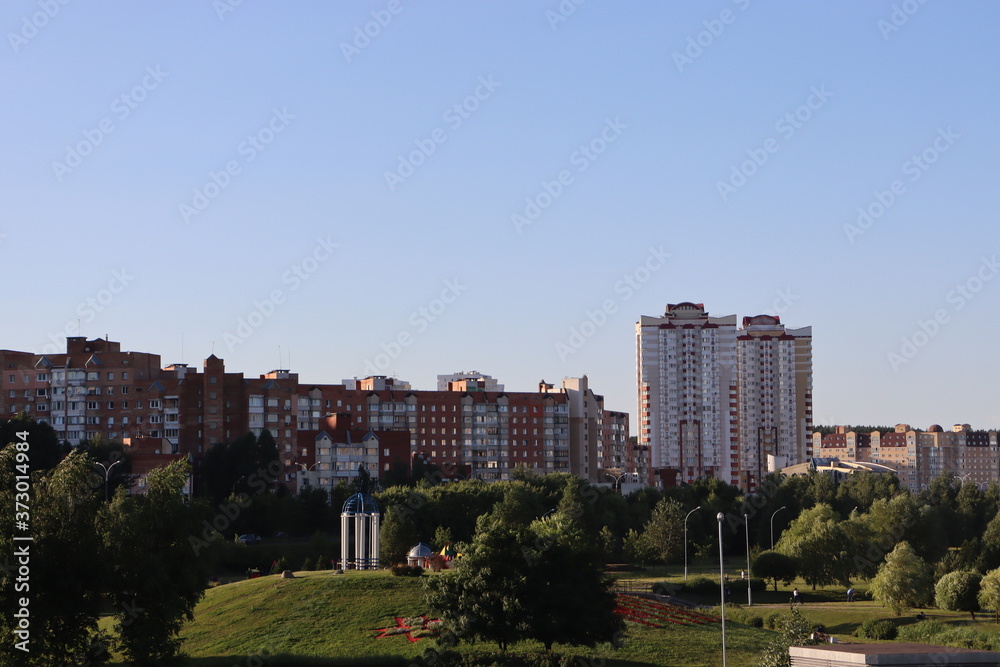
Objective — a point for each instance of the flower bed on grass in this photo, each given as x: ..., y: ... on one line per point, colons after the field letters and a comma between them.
x: 657, y: 614
x: 414, y: 629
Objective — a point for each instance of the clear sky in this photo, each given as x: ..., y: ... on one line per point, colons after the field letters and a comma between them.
x: 464, y: 185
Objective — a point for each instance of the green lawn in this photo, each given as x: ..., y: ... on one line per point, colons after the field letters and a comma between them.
x: 320, y: 618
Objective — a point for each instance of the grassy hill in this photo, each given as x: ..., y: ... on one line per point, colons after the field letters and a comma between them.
x: 322, y: 616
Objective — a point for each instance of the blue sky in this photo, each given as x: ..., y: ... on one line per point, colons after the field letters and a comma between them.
x: 174, y: 169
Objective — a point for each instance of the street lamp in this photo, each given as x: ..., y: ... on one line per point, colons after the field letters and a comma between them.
x: 783, y: 507
x: 306, y: 469
x: 746, y: 529
x: 686, y: 540
x: 722, y: 587
x: 107, y: 475
x: 617, y: 479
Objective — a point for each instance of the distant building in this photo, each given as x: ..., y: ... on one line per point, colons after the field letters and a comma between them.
x: 687, y: 393
x: 774, y: 371
x: 715, y: 401
x: 473, y: 428
x: 919, y: 456
x: 837, y: 469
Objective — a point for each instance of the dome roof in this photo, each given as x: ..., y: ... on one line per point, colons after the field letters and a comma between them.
x: 421, y: 550
x: 359, y: 503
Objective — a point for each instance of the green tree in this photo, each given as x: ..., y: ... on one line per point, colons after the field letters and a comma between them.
x: 155, y: 578
x: 989, y: 593
x: 634, y: 549
x: 774, y: 566
x: 442, y: 536
x: 958, y: 591
x: 45, y: 450
x: 397, y: 535
x: 792, y: 630
x: 65, y: 558
x: 903, y: 581
x: 820, y: 546
x: 664, y: 534
x: 520, y: 582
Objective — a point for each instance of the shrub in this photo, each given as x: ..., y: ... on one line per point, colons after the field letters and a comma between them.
x: 745, y: 616
x: 958, y: 591
x: 701, y: 586
x: 308, y: 564
x: 407, y: 570
x: 877, y: 628
x: 772, y: 620
x: 665, y: 588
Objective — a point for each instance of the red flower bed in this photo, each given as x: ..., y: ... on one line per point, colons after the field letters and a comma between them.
x: 407, y: 626
x: 657, y: 614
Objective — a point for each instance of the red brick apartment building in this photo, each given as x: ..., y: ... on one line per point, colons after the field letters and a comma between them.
x: 94, y: 389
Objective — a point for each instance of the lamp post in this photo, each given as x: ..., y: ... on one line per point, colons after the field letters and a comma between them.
x: 722, y: 587
x: 107, y: 475
x: 746, y: 529
x: 617, y: 479
x: 306, y: 469
x: 783, y: 507
x: 686, y: 540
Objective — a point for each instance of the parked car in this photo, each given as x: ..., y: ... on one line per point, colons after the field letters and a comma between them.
x: 249, y: 539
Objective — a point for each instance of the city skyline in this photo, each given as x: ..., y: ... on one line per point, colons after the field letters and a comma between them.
x: 415, y: 190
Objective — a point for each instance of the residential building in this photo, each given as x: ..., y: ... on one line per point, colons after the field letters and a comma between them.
x: 774, y: 389
x: 472, y: 428
x: 687, y: 394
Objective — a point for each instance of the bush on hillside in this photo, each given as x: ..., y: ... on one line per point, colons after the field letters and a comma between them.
x: 877, y: 628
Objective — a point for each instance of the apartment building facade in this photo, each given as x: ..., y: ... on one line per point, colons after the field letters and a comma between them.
x: 774, y: 371
x: 687, y: 404
x: 716, y: 401
x: 919, y: 456
x: 473, y: 428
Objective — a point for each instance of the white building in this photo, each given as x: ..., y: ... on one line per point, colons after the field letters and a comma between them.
x: 715, y: 401
x: 687, y: 390
x: 774, y: 367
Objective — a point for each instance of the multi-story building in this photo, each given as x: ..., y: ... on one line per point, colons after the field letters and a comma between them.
x: 919, y: 456
x: 471, y: 428
x: 774, y: 386
x: 687, y: 385
x: 336, y: 451
x: 715, y: 401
